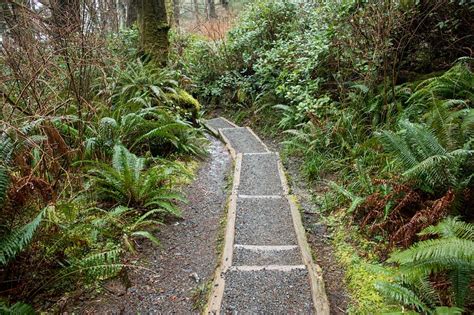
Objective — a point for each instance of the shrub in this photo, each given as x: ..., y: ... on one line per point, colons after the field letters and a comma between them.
x: 128, y: 182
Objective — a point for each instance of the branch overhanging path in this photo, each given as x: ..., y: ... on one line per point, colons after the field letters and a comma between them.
x: 266, y: 264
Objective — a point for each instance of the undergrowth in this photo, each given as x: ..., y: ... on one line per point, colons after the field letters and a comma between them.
x: 375, y: 100
x: 85, y: 180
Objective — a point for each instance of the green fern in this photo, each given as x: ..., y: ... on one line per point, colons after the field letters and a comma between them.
x: 6, y: 155
x: 143, y: 130
x: 16, y: 241
x: 97, y: 266
x: 451, y: 227
x: 425, y: 160
x: 128, y: 182
x: 456, y: 83
x: 143, y: 85
x: 18, y: 308
x: 401, y: 294
x: 452, y: 253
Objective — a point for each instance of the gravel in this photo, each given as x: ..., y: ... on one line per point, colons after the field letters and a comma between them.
x: 243, y: 141
x: 252, y: 257
x: 264, y: 221
x: 259, y: 175
x: 217, y: 123
x: 168, y: 274
x: 317, y: 233
x: 267, y: 292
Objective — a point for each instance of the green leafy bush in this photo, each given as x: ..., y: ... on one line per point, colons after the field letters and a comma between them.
x: 127, y: 181
x: 149, y: 129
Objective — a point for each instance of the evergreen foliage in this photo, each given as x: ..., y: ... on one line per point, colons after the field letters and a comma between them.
x: 451, y: 254
x: 128, y: 182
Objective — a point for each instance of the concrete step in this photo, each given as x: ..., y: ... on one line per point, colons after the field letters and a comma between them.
x: 267, y: 291
x: 260, y: 175
x: 264, y: 221
x: 251, y: 255
x: 218, y: 123
x: 243, y: 141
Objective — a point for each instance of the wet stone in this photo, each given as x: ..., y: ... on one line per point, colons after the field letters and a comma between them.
x: 243, y: 141
x: 264, y: 221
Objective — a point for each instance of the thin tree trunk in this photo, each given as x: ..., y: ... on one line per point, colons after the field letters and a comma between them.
x: 211, y: 9
x: 154, y: 27
x: 67, y: 14
x: 176, y: 11
x: 132, y: 12
x: 196, y: 9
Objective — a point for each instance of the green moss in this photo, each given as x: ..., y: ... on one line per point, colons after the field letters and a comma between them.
x: 361, y: 276
x: 154, y: 27
x: 186, y: 103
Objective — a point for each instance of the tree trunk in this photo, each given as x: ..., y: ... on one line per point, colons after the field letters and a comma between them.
x: 154, y: 27
x: 211, y: 9
x: 176, y: 11
x: 225, y: 4
x: 196, y: 9
x: 132, y: 12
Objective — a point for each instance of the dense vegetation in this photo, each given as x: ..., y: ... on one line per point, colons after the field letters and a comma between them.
x: 95, y: 139
x: 98, y: 129
x: 376, y: 99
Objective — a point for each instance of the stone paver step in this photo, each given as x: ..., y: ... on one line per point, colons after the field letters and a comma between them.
x: 260, y: 175
x: 267, y: 292
x: 251, y: 255
x: 242, y: 140
x: 218, y: 123
x: 264, y: 221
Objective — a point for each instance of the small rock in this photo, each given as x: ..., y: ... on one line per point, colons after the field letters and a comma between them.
x: 195, y: 277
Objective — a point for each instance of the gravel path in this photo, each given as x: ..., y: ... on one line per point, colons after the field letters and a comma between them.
x: 260, y: 175
x: 186, y: 258
x: 258, y: 257
x: 219, y: 123
x: 266, y: 266
x: 319, y: 237
x: 264, y: 221
x: 243, y: 141
x: 272, y: 292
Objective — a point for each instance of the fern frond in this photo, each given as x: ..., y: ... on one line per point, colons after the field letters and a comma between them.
x: 18, y: 308
x: 147, y: 235
x: 445, y: 310
x: 17, y: 240
x: 437, y: 249
x: 461, y: 279
x: 398, y: 293
x: 98, y: 266
x: 451, y: 227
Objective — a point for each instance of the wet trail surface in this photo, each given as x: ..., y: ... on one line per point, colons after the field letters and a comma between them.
x: 186, y: 258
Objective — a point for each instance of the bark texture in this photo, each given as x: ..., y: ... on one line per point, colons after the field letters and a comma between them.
x: 154, y: 26
x: 176, y: 11
x: 132, y: 12
x: 211, y: 9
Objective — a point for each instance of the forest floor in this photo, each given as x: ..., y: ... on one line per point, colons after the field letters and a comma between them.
x: 172, y: 277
